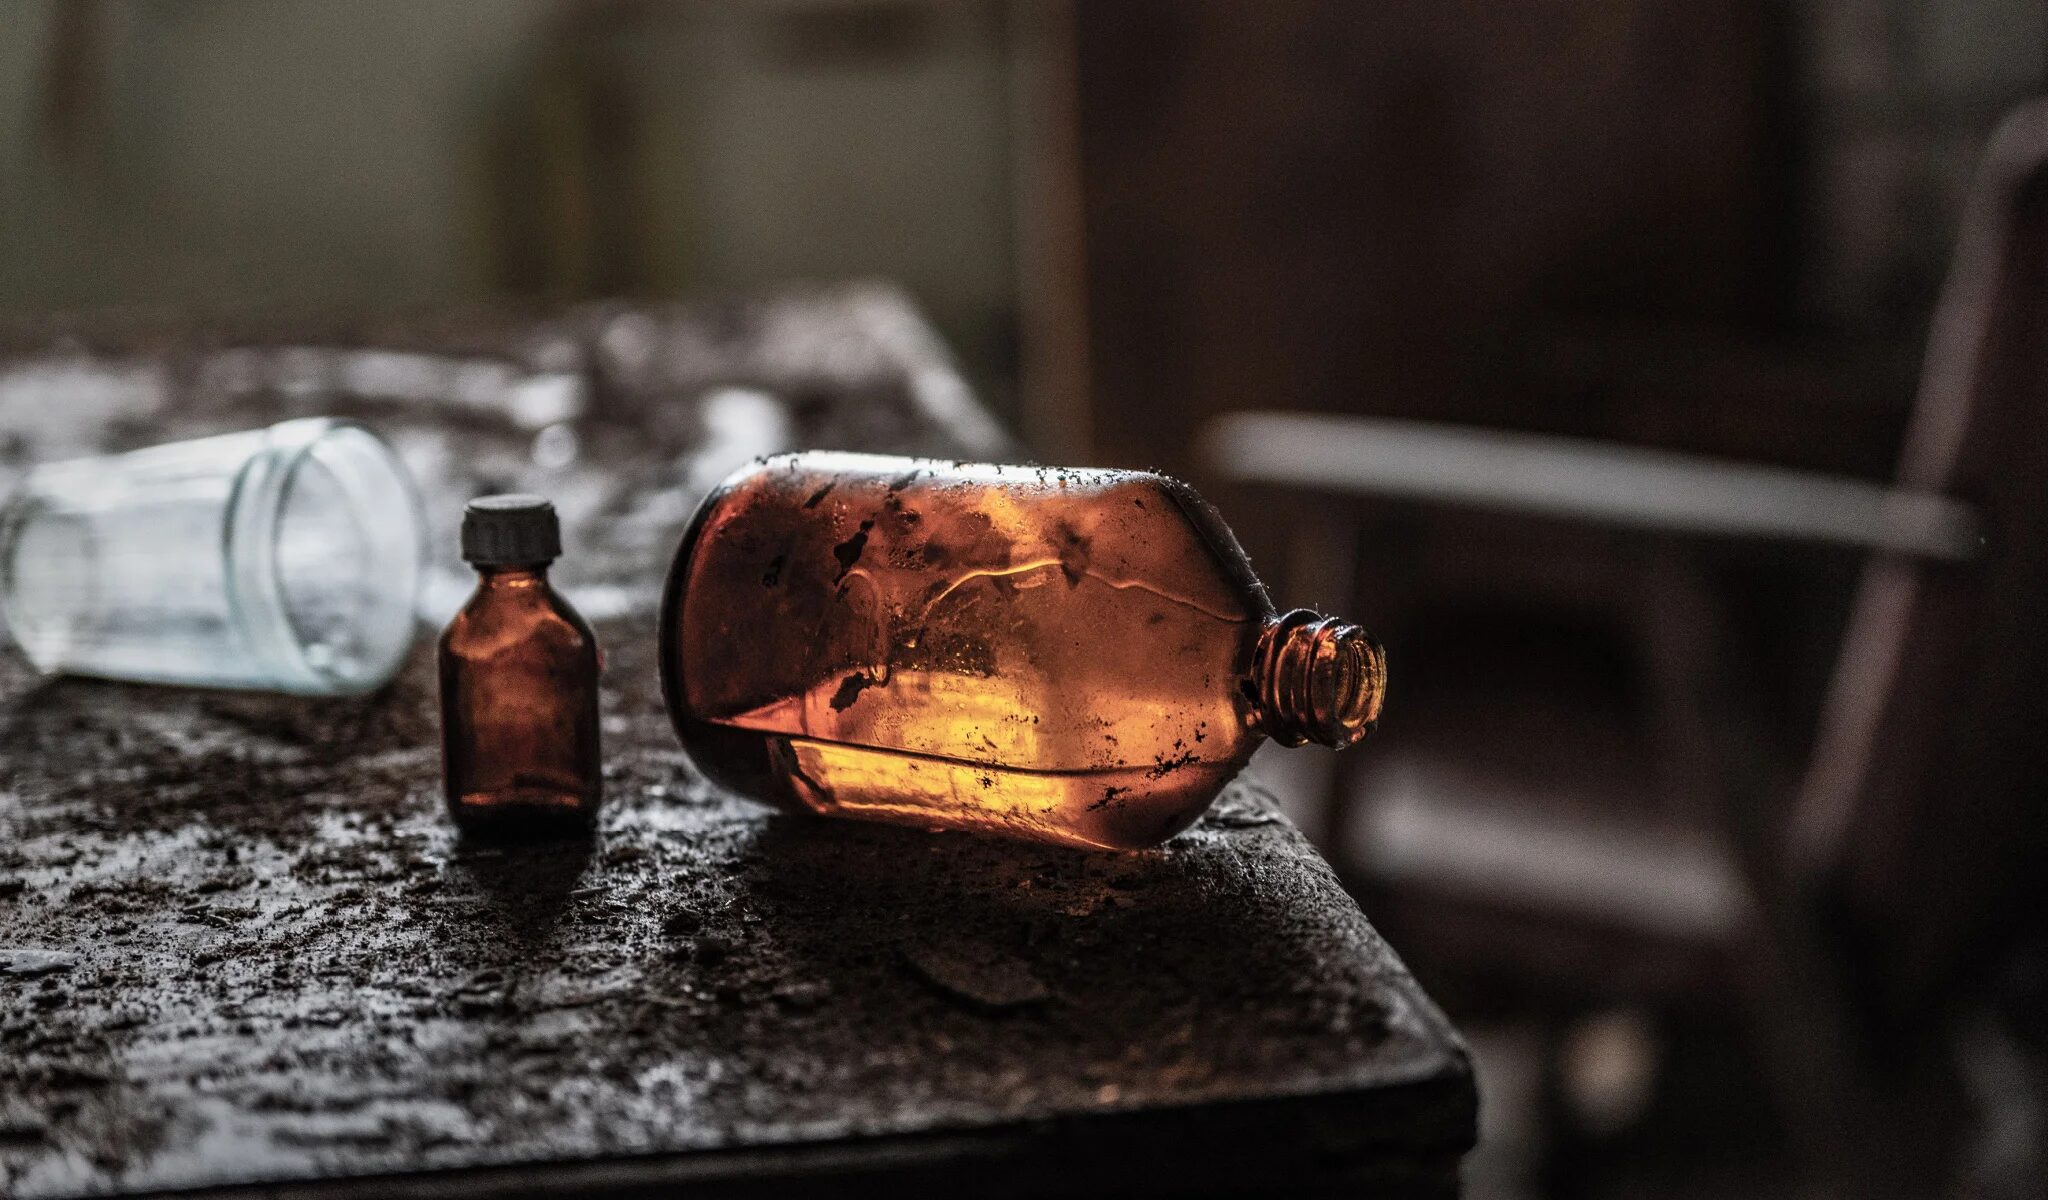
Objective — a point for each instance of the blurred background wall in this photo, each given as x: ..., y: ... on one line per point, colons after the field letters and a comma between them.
x: 1387, y: 190
x: 317, y: 156
x: 1594, y: 216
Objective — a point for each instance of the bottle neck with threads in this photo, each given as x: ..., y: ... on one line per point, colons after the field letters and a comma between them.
x: 1315, y: 679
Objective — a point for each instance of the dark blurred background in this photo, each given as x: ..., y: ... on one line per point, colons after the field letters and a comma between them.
x: 1604, y: 820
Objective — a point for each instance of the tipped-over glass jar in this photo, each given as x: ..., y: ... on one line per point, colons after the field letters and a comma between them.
x: 283, y: 559
x: 1072, y: 656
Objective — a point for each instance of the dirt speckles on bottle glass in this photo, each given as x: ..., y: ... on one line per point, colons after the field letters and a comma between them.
x: 1072, y: 656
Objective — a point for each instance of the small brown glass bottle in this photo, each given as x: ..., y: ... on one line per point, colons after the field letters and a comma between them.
x: 1072, y: 656
x: 519, y: 719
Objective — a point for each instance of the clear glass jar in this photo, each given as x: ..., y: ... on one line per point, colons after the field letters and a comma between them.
x: 284, y: 559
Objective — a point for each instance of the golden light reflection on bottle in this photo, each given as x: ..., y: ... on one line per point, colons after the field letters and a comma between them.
x: 1074, y: 656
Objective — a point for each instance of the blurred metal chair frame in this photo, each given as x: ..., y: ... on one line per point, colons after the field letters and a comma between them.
x: 1848, y: 905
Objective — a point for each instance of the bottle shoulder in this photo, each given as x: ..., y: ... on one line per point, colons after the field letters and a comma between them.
x: 493, y: 621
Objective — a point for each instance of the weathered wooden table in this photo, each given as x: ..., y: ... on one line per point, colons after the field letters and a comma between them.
x: 242, y: 951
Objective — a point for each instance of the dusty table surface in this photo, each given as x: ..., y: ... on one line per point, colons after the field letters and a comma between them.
x: 240, y: 946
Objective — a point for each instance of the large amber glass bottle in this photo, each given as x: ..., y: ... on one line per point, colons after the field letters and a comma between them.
x: 519, y: 670
x: 1073, y: 656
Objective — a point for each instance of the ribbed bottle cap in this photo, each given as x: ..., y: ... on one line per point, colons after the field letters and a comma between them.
x: 514, y: 528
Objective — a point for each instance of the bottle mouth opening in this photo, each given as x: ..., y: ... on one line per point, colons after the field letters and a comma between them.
x: 1351, y: 669
x: 1317, y: 679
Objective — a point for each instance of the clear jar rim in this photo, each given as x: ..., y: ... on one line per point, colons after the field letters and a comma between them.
x: 255, y: 583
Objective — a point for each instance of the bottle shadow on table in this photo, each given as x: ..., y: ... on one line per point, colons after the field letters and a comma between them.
x: 1155, y: 973
x: 526, y: 884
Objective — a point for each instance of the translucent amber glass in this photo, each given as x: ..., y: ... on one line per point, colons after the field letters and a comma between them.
x: 1065, y: 655
x: 519, y: 716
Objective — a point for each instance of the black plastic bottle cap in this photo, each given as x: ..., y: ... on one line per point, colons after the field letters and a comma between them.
x: 514, y: 528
